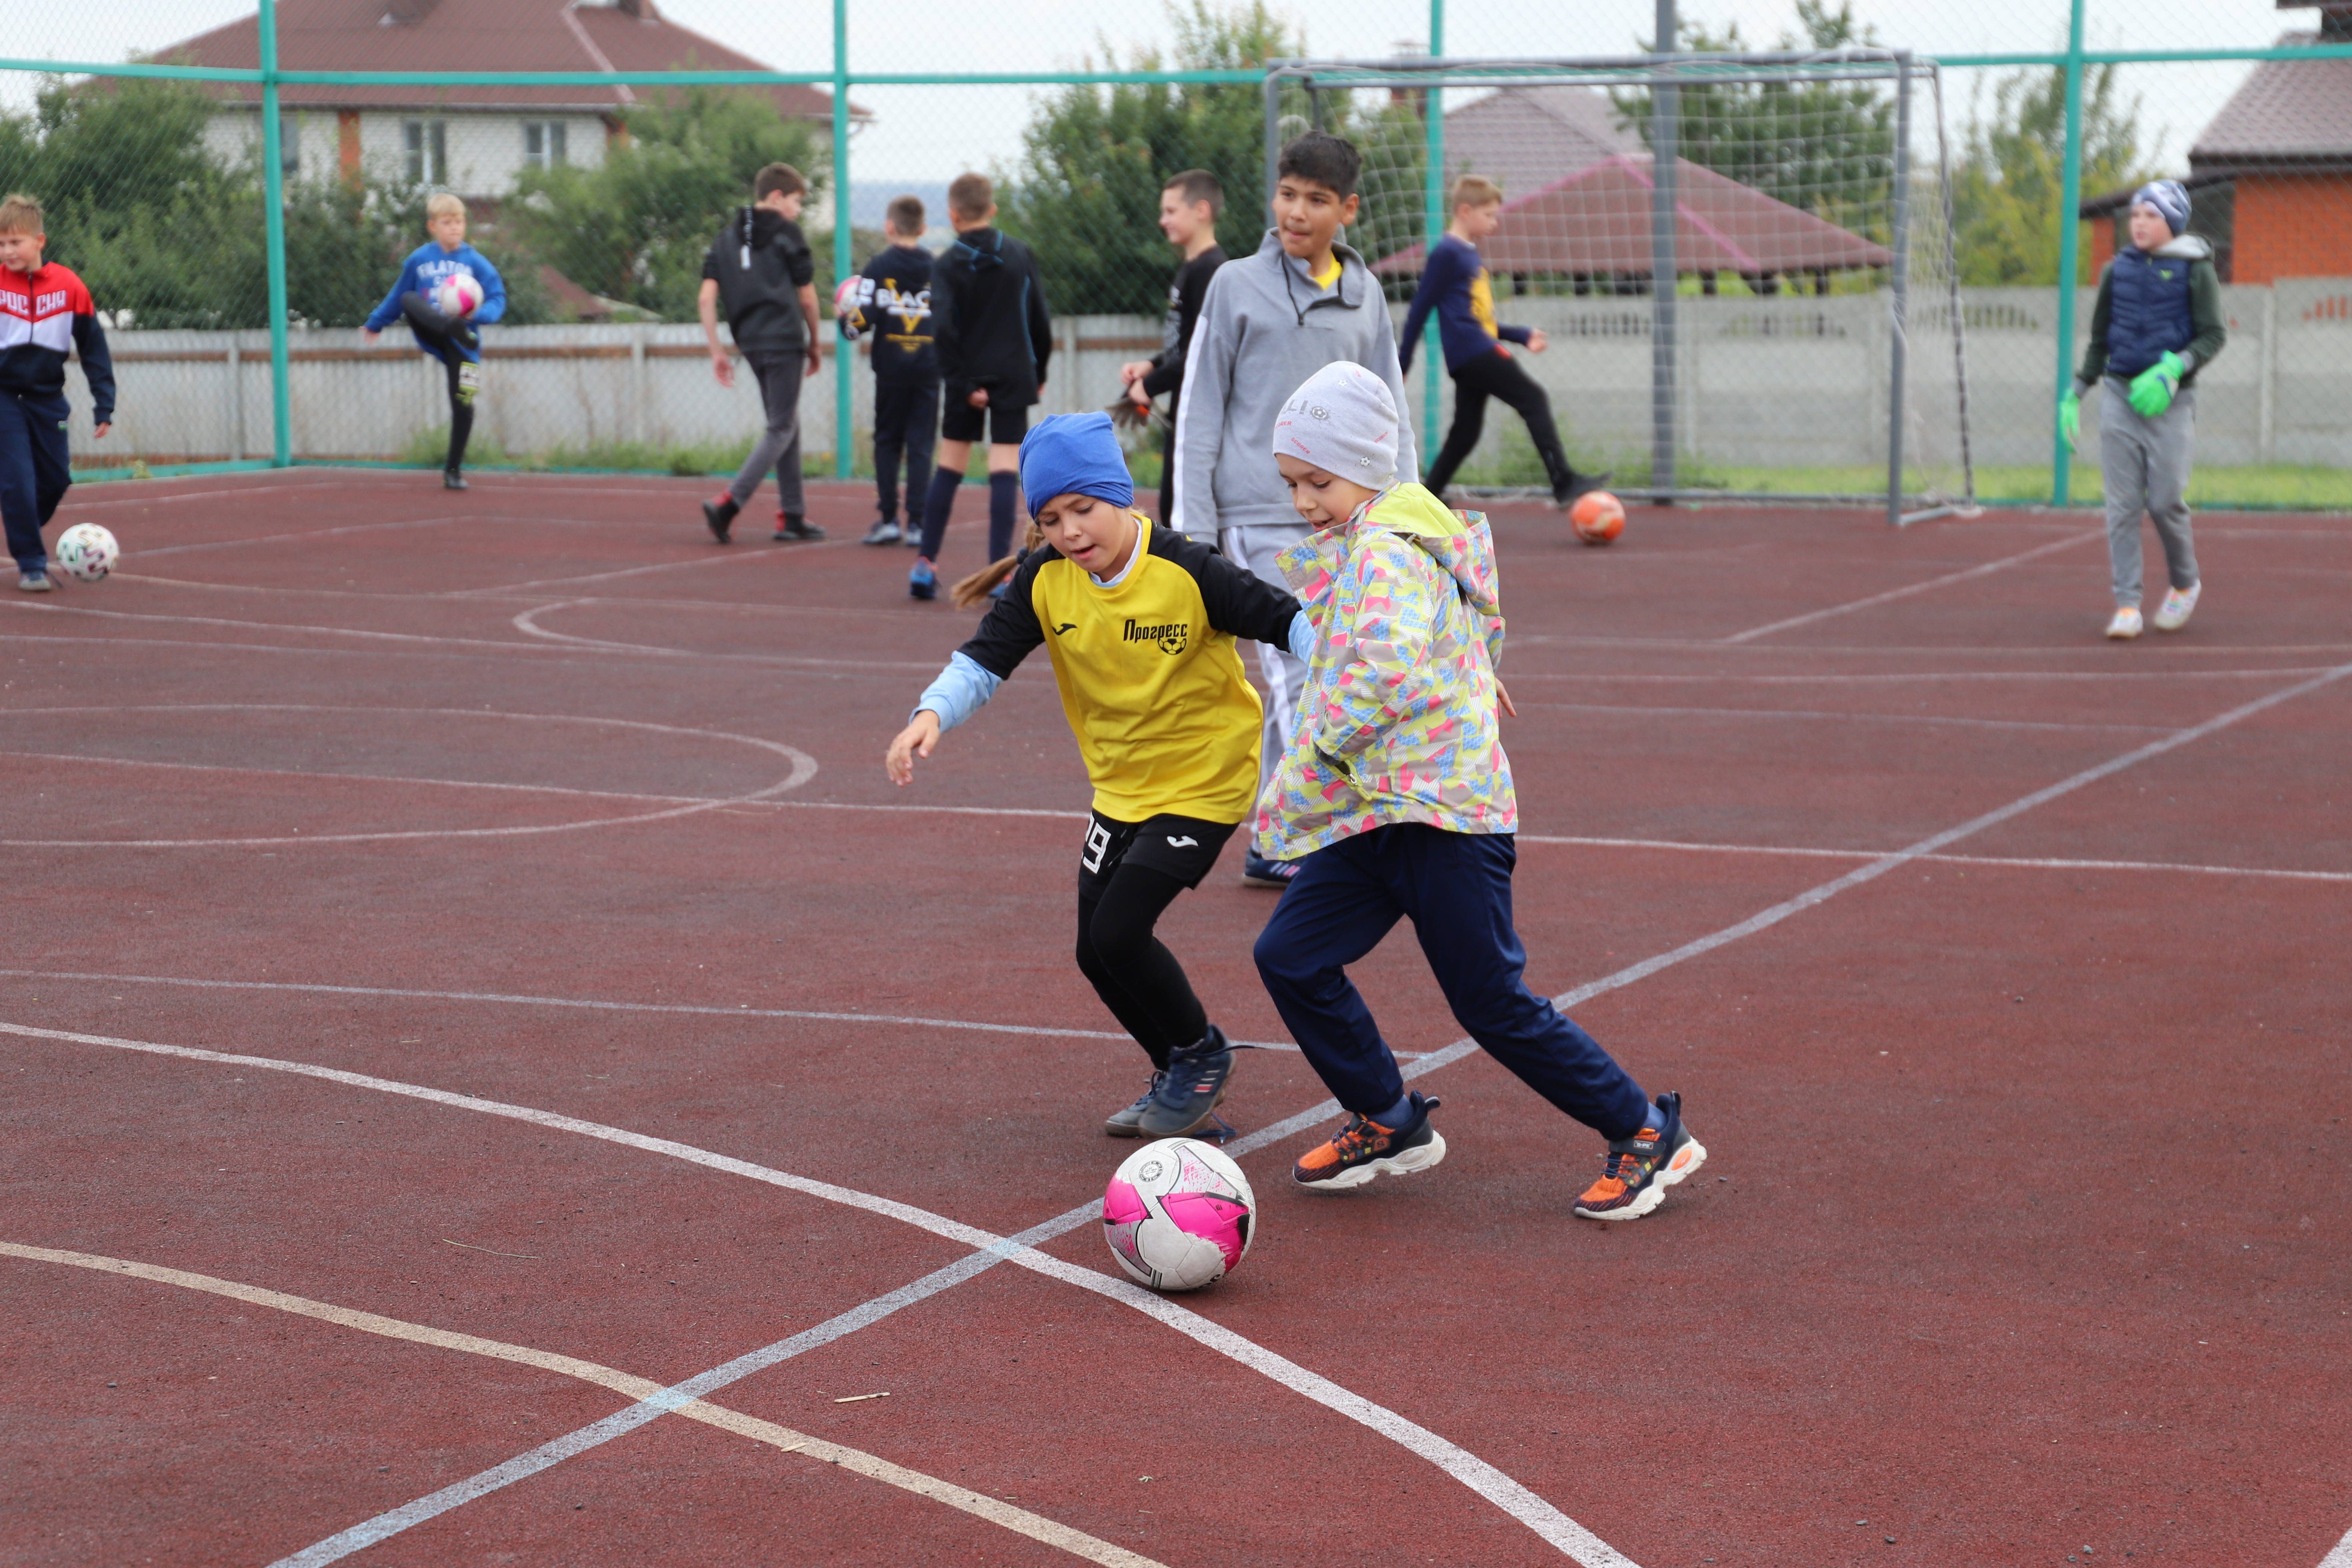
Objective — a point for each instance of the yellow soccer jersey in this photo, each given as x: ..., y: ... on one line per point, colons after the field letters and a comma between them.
x: 1150, y: 681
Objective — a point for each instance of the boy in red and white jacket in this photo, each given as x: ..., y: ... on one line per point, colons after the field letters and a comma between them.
x: 45, y: 313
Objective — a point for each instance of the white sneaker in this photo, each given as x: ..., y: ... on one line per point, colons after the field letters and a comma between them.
x: 2177, y: 608
x: 2125, y: 625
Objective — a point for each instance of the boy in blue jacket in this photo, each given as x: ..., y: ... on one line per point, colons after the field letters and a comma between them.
x: 1453, y: 284
x: 2157, y: 321
x: 452, y: 340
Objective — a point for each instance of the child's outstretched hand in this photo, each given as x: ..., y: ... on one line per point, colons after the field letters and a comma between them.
x: 915, y: 741
x: 1503, y: 698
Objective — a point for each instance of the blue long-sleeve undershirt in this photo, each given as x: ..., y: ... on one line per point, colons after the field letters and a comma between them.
x: 963, y: 687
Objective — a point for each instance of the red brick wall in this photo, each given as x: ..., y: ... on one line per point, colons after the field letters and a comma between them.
x: 2102, y: 248
x: 2292, y: 225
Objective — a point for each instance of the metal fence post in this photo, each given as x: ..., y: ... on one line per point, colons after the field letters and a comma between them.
x: 1432, y: 355
x: 1665, y: 108
x: 273, y: 197
x: 1272, y: 139
x: 844, y: 392
x: 1899, y: 306
x: 2070, y: 203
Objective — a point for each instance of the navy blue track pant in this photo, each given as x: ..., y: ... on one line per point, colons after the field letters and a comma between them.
x: 1456, y: 890
x: 905, y: 421
x: 35, y: 472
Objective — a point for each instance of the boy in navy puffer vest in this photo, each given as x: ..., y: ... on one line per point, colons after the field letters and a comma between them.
x: 2157, y: 323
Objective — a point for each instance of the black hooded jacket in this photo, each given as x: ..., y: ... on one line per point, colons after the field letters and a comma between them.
x: 760, y: 262
x: 989, y: 325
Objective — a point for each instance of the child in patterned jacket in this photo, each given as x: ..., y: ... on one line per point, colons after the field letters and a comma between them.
x: 1395, y: 791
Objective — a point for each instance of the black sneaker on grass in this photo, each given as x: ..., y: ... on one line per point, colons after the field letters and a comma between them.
x: 1128, y: 1123
x: 1191, y: 1089
x: 1638, y: 1169
x: 1364, y: 1149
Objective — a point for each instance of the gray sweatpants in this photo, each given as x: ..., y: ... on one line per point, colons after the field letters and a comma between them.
x: 1256, y: 548
x: 779, y: 447
x: 2145, y: 466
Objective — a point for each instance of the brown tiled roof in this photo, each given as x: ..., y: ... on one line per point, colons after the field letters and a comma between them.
x: 1524, y: 137
x: 476, y: 35
x: 1598, y: 220
x: 2291, y: 114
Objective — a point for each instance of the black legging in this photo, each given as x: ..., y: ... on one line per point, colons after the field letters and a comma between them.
x: 1499, y: 375
x: 432, y: 328
x: 1136, y: 977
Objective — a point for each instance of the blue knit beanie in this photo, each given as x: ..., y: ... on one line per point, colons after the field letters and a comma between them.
x: 1074, y: 455
x: 2169, y: 197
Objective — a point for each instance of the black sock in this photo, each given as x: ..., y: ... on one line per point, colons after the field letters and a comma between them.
x: 936, y: 508
x: 461, y: 430
x: 1004, y: 499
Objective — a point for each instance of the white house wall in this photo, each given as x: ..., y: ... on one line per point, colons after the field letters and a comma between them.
x: 484, y: 150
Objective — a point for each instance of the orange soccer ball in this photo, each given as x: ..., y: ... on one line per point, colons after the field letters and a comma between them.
x: 1598, y: 517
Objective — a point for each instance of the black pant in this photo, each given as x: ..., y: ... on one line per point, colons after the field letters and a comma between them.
x: 1168, y: 474
x: 434, y: 334
x: 36, y: 471
x: 1499, y: 375
x: 906, y: 418
x: 1128, y: 873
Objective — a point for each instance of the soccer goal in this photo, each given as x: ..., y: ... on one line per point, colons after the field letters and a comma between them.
x: 1812, y: 345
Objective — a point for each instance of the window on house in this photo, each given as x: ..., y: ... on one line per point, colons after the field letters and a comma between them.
x: 427, y: 142
x: 542, y: 143
x: 290, y: 144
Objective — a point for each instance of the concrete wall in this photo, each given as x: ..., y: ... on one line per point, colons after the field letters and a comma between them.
x: 485, y: 151
x: 1769, y: 383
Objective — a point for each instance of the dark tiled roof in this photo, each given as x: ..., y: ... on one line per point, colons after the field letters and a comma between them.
x: 2292, y: 112
x: 1598, y: 220
x: 475, y: 36
x: 1524, y: 137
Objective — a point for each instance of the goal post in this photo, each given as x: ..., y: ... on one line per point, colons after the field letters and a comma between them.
x: 1811, y: 345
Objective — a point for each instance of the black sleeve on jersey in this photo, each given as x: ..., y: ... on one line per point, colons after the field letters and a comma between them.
x: 1192, y: 293
x: 1041, y: 324
x: 1010, y: 632
x: 1237, y: 600
x: 946, y: 342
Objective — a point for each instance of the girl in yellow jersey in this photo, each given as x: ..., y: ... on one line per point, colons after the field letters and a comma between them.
x: 1139, y: 622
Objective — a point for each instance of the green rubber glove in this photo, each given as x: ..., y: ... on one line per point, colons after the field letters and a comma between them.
x: 2069, y: 416
x: 2152, y: 389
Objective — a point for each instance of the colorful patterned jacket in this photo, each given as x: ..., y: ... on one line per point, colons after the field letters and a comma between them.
x: 1397, y: 723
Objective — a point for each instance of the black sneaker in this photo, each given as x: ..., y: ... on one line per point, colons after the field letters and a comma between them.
x: 718, y: 516
x: 1639, y: 1170
x: 1260, y: 872
x: 1128, y: 1123
x: 1364, y: 1149
x: 452, y: 479
x: 1565, y: 496
x: 790, y: 528
x: 886, y: 530
x: 1191, y: 1089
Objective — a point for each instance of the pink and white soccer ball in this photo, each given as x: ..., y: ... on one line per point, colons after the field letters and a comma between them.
x: 847, y: 301
x: 1178, y: 1214
x: 86, y: 553
x: 458, y: 295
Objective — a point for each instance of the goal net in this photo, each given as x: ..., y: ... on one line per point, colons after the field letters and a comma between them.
x: 1811, y: 345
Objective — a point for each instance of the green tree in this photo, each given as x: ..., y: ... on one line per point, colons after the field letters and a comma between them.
x: 2007, y: 189
x: 1087, y: 191
x: 635, y: 228
x: 1826, y: 147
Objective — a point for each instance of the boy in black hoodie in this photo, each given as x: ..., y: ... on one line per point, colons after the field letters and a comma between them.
x: 893, y: 302
x: 991, y: 334
x: 760, y: 266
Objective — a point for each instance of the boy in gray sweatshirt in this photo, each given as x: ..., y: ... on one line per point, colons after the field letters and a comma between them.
x: 1270, y: 321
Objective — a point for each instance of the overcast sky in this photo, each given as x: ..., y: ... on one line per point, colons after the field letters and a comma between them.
x: 929, y: 134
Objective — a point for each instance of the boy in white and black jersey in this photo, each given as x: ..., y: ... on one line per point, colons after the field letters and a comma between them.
x: 893, y: 305
x: 1189, y: 208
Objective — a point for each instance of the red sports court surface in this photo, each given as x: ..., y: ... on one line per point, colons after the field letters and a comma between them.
x: 492, y: 1071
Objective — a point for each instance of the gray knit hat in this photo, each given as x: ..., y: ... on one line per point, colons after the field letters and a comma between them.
x: 1342, y: 420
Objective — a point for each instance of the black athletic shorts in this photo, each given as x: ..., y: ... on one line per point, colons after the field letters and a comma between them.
x: 1185, y: 847
x: 962, y: 422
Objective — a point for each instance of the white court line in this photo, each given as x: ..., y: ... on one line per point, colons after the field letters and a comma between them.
x: 1530, y: 1509
x: 810, y: 1448
x: 803, y: 768
x: 146, y: 552
x: 2341, y: 1557
x: 779, y: 553
x: 2023, y: 862
x: 1838, y: 718
x: 1928, y: 586
x: 1592, y: 678
x: 596, y: 1005
x: 1480, y: 1477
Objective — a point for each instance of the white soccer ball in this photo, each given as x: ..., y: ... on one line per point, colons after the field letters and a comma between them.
x: 458, y: 295
x: 1178, y: 1214
x: 86, y: 553
x: 847, y: 301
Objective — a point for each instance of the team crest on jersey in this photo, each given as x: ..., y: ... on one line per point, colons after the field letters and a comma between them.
x: 1172, y: 636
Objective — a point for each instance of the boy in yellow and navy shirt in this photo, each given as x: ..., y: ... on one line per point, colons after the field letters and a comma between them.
x: 1139, y: 622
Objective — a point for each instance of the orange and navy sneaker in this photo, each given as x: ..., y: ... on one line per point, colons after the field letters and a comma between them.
x: 1640, y: 1168
x: 1364, y: 1149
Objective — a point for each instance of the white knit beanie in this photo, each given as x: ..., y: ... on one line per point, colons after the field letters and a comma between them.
x: 1342, y: 420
